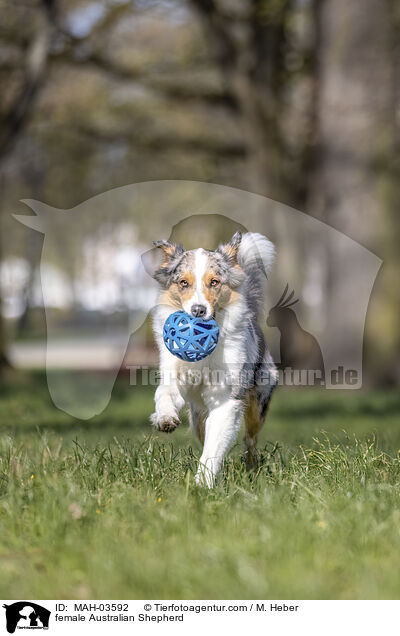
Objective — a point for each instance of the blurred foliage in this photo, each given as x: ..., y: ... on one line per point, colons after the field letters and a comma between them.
x: 258, y: 94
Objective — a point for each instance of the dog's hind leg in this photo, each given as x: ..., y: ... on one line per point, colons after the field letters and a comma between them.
x: 258, y: 399
x: 197, y: 422
x: 254, y: 416
x: 253, y: 422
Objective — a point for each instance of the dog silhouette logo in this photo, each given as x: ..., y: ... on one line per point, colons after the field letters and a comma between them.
x: 299, y: 349
x: 26, y: 615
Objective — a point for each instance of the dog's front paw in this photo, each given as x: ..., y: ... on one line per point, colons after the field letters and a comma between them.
x: 205, y: 475
x: 205, y: 480
x: 166, y: 423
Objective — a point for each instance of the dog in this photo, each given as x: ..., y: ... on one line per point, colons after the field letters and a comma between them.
x: 237, y: 379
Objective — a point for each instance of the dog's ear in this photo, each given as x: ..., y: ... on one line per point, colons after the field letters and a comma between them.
x: 170, y: 256
x: 230, y: 250
x: 169, y: 250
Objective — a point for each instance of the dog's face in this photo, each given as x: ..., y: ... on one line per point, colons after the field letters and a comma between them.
x: 200, y: 281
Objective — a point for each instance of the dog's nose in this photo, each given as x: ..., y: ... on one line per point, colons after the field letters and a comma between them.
x: 198, y: 311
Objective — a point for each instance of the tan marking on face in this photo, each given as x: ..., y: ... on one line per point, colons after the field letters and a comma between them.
x: 176, y: 295
x: 225, y: 296
x: 211, y: 293
x: 221, y: 295
x: 234, y: 297
x: 185, y: 293
x: 228, y: 297
x: 170, y: 297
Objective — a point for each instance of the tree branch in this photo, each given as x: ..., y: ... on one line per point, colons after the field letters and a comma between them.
x: 35, y: 64
x: 223, y: 41
x: 161, y: 142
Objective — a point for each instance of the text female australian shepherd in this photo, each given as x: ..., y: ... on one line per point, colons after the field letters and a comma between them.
x: 238, y: 378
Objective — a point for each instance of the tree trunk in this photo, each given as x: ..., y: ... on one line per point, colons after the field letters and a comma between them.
x: 355, y: 130
x: 20, y: 111
x: 250, y: 54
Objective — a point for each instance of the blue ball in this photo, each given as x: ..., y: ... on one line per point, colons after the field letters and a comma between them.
x: 190, y: 339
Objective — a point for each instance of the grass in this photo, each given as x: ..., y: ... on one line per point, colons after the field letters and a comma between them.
x: 108, y: 509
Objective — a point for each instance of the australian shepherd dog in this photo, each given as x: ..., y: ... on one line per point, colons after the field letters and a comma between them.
x: 236, y: 380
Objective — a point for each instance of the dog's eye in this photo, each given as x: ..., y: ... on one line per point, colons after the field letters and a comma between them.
x: 183, y: 283
x: 214, y: 282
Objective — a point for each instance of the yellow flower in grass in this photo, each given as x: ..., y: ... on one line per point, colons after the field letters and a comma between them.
x: 321, y: 524
x: 159, y: 499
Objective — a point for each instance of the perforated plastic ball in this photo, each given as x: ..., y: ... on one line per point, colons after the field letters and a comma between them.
x: 190, y: 339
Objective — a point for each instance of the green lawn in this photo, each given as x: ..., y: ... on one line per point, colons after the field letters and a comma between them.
x: 109, y: 509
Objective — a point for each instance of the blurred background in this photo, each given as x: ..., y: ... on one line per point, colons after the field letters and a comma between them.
x: 296, y: 100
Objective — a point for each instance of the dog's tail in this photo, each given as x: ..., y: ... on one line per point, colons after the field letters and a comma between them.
x: 255, y: 256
